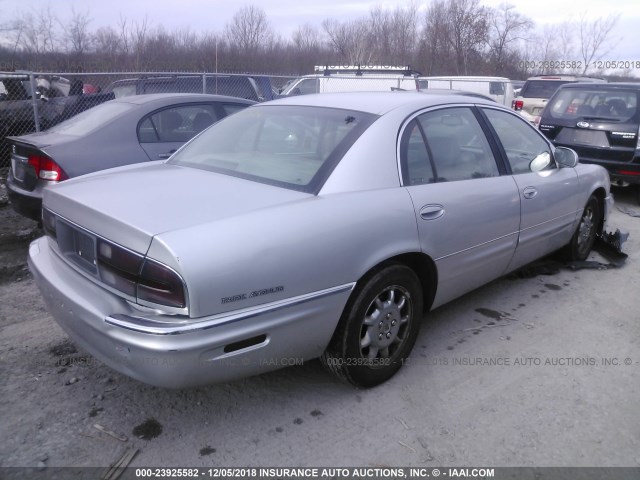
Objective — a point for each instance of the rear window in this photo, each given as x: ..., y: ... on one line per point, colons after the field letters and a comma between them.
x: 613, y: 105
x: 287, y: 146
x: 92, y: 119
x: 541, y: 88
x: 125, y: 90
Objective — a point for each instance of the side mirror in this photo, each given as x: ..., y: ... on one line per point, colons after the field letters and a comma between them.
x: 565, y: 157
x: 541, y: 162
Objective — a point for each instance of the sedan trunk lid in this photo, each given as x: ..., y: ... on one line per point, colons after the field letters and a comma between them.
x: 132, y: 204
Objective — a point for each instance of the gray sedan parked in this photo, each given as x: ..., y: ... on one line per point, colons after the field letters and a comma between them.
x: 119, y: 132
x: 313, y: 226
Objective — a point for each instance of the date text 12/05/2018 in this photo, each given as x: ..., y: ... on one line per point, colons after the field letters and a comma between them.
x: 580, y: 65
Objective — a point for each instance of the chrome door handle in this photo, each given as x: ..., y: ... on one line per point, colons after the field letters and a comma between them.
x: 431, y: 212
x: 529, y: 192
x: 164, y: 156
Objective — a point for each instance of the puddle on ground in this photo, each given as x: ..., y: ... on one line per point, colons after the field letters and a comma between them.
x: 147, y: 430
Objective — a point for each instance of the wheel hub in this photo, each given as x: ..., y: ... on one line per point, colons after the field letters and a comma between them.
x: 386, y: 331
x: 585, y: 229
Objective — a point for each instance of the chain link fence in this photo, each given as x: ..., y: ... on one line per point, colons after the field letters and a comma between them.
x: 35, y: 101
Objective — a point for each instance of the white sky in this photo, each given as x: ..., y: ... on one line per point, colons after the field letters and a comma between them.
x: 287, y: 15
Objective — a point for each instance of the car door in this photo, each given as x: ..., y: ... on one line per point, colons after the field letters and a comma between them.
x: 549, y: 198
x: 164, y: 131
x: 466, y: 211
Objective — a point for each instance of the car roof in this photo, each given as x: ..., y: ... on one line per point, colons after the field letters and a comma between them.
x: 161, y: 98
x: 603, y: 86
x: 377, y: 103
x: 570, y: 78
x: 467, y: 78
x: 453, y: 91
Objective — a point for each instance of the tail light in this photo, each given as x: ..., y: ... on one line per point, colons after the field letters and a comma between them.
x: 517, y: 105
x: 159, y: 284
x: 118, y: 267
x: 129, y: 272
x: 49, y: 223
x: 144, y: 279
x: 47, y: 169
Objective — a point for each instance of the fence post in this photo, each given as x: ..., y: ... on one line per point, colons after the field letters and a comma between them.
x: 34, y: 102
x: 204, y: 83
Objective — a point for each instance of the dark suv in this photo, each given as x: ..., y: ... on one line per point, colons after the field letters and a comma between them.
x: 256, y: 88
x: 601, y: 122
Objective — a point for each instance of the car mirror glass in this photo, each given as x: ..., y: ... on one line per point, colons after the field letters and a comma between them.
x: 565, y: 157
x: 541, y: 162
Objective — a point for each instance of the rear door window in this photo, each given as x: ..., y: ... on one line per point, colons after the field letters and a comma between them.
x: 457, y: 145
x: 177, y: 124
x: 417, y: 165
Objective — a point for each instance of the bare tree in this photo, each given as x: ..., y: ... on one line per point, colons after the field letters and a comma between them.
x: 595, y: 38
x: 405, y: 32
x: 106, y: 40
x: 468, y: 29
x: 249, y: 29
x: 37, y: 31
x: 381, y: 32
x: 307, y: 38
x: 507, y: 26
x: 434, y: 37
x: 350, y: 40
x: 393, y: 34
x: 138, y: 37
x: 77, y: 33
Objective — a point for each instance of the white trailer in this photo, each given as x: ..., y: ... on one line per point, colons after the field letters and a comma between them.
x: 498, y: 88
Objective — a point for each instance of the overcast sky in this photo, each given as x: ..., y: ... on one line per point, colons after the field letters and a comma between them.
x: 287, y: 15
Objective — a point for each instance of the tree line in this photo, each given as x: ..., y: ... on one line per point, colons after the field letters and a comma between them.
x: 445, y: 37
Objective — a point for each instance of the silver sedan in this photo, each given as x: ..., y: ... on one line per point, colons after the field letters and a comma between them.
x: 313, y: 226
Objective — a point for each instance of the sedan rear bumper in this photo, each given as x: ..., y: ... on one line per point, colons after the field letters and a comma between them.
x: 176, y: 352
x: 28, y: 204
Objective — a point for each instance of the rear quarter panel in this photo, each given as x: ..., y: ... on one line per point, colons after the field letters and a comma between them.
x: 303, y: 247
x: 114, y: 145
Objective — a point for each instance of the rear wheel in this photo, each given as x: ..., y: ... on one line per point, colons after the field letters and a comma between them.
x: 585, y: 236
x: 378, y: 327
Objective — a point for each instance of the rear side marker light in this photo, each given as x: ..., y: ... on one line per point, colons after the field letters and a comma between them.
x: 517, y: 105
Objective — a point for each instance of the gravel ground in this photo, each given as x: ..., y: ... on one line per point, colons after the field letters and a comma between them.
x: 540, y: 371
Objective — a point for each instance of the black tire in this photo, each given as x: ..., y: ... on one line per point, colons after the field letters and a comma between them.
x: 585, y: 235
x: 378, y: 327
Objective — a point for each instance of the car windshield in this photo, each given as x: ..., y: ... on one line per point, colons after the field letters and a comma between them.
x: 294, y: 147
x: 91, y: 119
x: 613, y: 104
x: 540, y: 88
